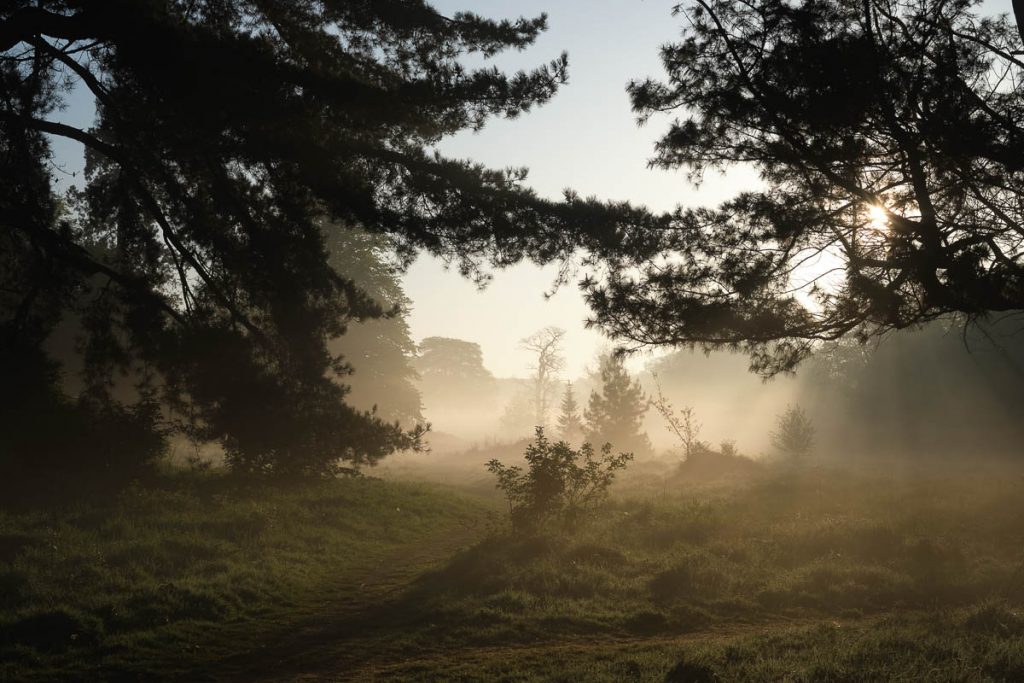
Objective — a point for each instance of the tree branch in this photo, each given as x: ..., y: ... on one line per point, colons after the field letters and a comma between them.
x: 31, y: 21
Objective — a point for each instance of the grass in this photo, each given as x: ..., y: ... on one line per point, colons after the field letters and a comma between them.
x: 778, y: 574
x: 162, y: 581
x: 832, y: 551
x: 980, y: 644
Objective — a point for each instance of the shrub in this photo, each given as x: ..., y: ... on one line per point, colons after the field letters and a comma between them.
x: 559, y: 484
x: 794, y: 435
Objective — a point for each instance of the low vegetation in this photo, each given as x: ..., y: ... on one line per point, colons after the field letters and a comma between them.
x: 560, y: 486
x: 745, y: 572
x: 163, y: 580
x: 722, y: 568
x: 817, y: 575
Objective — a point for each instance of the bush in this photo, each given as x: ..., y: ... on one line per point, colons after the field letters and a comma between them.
x: 794, y: 435
x: 49, y: 438
x: 560, y: 484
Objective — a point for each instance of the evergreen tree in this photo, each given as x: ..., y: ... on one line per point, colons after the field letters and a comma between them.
x: 225, y: 131
x: 380, y: 351
x: 888, y: 135
x: 570, y: 425
x: 615, y: 414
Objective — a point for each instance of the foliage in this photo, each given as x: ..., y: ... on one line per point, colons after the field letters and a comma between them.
x: 615, y: 414
x: 379, y: 350
x: 794, y: 433
x: 48, y: 439
x: 225, y: 132
x: 560, y: 485
x: 887, y: 135
x: 570, y: 424
x: 937, y: 391
x: 452, y: 372
x: 453, y: 360
x: 683, y: 423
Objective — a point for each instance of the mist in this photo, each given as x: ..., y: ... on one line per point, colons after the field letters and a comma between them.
x: 880, y: 400
x: 518, y: 341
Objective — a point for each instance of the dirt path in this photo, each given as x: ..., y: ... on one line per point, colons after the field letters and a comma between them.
x: 342, y: 640
x: 331, y: 646
x: 597, y: 645
x: 317, y: 644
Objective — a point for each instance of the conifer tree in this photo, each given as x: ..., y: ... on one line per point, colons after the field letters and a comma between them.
x: 794, y: 433
x: 570, y: 425
x: 888, y: 135
x: 225, y: 132
x: 615, y: 413
x: 380, y: 351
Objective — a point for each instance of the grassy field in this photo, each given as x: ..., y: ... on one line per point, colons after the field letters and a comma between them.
x: 777, y: 574
x: 173, y: 579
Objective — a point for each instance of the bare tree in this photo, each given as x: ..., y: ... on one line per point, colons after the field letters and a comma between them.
x: 683, y: 423
x: 546, y: 344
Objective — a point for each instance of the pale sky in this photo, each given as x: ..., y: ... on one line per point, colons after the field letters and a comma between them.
x: 586, y: 139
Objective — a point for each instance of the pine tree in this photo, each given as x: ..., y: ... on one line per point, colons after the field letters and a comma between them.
x: 225, y: 133
x: 570, y: 425
x: 889, y: 137
x: 615, y: 414
x: 380, y: 351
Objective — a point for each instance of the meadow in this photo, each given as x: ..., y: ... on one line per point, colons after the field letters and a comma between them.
x: 765, y: 572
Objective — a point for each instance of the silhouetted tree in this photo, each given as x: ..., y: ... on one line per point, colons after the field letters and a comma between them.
x: 888, y: 135
x: 615, y: 413
x: 546, y: 347
x: 225, y: 130
x: 380, y: 350
x: 452, y: 360
x: 452, y: 372
x: 570, y: 425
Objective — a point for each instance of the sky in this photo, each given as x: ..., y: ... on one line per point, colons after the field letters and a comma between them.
x: 586, y: 139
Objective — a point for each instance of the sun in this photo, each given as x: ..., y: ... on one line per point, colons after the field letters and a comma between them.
x: 878, y: 217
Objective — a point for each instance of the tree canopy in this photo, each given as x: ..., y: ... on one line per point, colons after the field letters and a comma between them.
x: 888, y: 136
x: 452, y: 360
x: 225, y: 131
x: 380, y: 351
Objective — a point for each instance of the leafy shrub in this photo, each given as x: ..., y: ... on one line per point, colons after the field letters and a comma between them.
x: 560, y: 484
x: 50, y: 439
x: 794, y: 435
